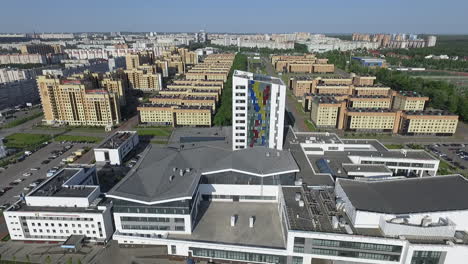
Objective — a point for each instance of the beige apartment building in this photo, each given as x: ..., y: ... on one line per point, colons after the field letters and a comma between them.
x: 370, y: 120
x: 143, y: 79
x: 42, y: 49
x: 194, y: 86
x: 191, y: 92
x: 371, y: 90
x: 364, y: 80
x: 184, y: 100
x: 408, y: 100
x: 326, y: 111
x: 301, y: 64
x: 436, y: 122
x: 373, y: 101
x: 77, y: 102
x: 175, y: 115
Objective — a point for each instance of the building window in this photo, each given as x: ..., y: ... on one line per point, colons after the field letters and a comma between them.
x: 173, y: 250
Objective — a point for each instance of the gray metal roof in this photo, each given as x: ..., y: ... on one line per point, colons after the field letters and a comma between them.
x: 157, y: 177
x: 404, y: 196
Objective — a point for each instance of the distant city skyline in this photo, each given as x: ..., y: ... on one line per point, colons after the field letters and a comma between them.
x: 338, y: 16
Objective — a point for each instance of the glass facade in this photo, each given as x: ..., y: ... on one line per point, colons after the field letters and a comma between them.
x: 297, y: 260
x: 426, y: 257
x: 178, y: 207
x: 347, y: 249
x: 236, y: 255
x: 245, y: 179
x: 258, y: 113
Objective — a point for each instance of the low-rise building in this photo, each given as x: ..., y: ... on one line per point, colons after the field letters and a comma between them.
x: 370, y: 62
x: 66, y: 204
x: 115, y: 148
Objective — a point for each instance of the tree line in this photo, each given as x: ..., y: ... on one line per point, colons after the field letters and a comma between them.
x: 223, y: 116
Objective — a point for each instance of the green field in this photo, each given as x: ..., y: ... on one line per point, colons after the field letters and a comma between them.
x: 394, y: 146
x: 78, y: 138
x: 24, y: 140
x: 155, y: 132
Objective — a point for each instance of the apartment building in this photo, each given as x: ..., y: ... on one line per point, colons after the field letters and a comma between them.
x: 258, y: 103
x: 325, y: 111
x: 77, y: 102
x: 185, y: 100
x: 363, y: 80
x: 301, y: 64
x: 195, y: 86
x: 190, y: 101
x: 429, y: 122
x: 23, y: 59
x: 409, y: 100
x: 144, y: 79
x: 191, y: 92
x: 43, y: 49
x: 370, y: 120
x: 369, y: 101
x: 354, y: 85
x: 175, y: 115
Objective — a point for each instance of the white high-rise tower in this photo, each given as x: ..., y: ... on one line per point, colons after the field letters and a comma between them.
x: 258, y: 103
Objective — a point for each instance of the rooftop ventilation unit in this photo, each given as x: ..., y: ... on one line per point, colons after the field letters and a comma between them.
x: 298, y: 197
x: 301, y: 203
x: 268, y: 154
x: 251, y: 221
x: 233, y: 220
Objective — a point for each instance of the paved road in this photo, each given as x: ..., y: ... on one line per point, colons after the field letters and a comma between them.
x: 298, y: 118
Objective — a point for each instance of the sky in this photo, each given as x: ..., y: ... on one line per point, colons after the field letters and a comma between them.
x: 263, y: 16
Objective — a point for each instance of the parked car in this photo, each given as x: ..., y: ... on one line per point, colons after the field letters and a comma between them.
x: 45, y: 162
x: 27, y: 174
x: 35, y: 168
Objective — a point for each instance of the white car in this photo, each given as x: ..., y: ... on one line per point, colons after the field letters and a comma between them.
x: 27, y: 174
x: 35, y: 168
x: 27, y: 188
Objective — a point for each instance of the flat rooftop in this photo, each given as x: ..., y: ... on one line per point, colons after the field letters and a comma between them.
x: 214, y: 225
x: 404, y: 196
x: 306, y: 172
x: 173, y: 173
x: 319, y: 206
x: 53, y: 186
x: 430, y: 113
x: 116, y: 140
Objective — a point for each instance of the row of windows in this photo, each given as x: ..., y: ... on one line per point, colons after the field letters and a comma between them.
x: 152, y: 227
x: 355, y: 245
x: 208, y: 197
x: 354, y: 254
x: 235, y: 255
x: 56, y: 218
x: 148, y: 210
x: 151, y: 219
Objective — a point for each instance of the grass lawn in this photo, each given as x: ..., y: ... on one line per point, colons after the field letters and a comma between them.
x: 155, y: 131
x: 23, y: 120
x: 78, y: 138
x: 24, y: 140
x: 445, y: 168
x: 367, y: 136
x: 394, y: 146
x: 310, y: 126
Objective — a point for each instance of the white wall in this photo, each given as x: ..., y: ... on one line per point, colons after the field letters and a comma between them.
x: 228, y: 189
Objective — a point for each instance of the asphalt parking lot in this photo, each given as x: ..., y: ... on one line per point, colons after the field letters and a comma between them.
x: 454, y: 154
x: 16, y: 171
